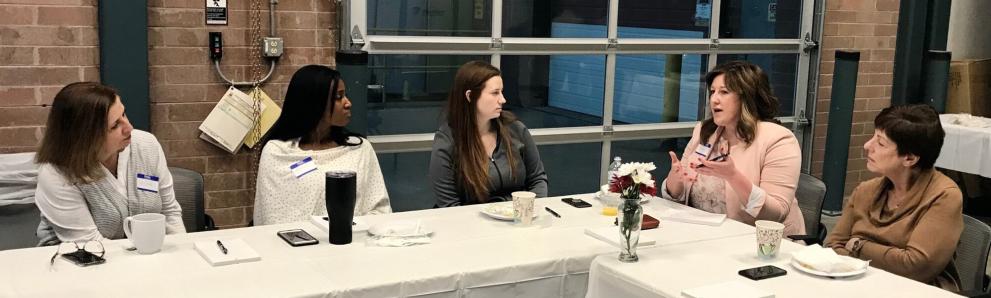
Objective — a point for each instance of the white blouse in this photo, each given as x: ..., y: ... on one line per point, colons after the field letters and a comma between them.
x: 65, y: 207
x: 283, y: 195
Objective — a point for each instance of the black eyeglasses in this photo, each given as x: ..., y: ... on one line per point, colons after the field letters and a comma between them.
x: 90, y: 253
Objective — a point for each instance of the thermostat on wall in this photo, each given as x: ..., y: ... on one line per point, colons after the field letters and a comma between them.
x: 216, y: 12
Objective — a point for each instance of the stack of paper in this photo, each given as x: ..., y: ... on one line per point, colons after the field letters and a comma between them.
x: 690, y: 215
x: 611, y: 235
x: 237, y: 252
x: 232, y: 119
x: 734, y: 289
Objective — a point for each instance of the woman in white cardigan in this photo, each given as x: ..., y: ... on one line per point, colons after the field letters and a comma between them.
x: 307, y: 140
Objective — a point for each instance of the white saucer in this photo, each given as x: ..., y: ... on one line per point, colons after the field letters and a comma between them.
x: 799, y: 266
x: 501, y: 211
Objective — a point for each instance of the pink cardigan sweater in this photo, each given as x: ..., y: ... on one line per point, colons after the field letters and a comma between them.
x: 772, y: 162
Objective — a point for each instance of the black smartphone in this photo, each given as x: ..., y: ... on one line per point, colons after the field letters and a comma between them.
x: 84, y: 258
x: 297, y: 237
x: 577, y: 203
x: 717, y: 158
x: 763, y: 272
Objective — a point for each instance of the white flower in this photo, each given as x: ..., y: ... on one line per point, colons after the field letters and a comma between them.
x: 639, y: 171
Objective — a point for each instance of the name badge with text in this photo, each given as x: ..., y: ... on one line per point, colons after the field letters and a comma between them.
x: 147, y: 183
x: 303, y: 167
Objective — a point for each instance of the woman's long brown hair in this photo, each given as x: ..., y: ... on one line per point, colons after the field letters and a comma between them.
x: 471, y: 160
x: 76, y: 131
x: 757, y: 102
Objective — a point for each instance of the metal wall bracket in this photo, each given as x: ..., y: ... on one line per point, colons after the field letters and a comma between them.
x: 496, y: 44
x: 808, y: 44
x: 607, y: 130
x: 714, y: 44
x: 357, y: 40
x: 613, y: 44
x: 801, y: 120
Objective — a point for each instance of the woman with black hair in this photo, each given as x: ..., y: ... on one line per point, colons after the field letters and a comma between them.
x: 307, y: 140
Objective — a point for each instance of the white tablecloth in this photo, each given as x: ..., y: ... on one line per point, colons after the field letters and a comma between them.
x: 965, y: 149
x: 666, y: 271
x: 470, y: 255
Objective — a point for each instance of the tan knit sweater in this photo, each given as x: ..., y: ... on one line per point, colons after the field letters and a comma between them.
x: 915, y: 240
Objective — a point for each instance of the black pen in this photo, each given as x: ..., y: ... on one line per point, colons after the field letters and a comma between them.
x: 221, y: 246
x: 552, y: 212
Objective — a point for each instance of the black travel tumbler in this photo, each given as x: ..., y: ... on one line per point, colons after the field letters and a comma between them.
x: 340, y: 196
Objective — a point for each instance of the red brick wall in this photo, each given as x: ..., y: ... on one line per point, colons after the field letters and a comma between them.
x: 185, y: 87
x: 44, y: 44
x: 867, y: 26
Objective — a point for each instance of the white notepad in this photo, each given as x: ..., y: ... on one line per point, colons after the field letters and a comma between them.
x: 691, y: 215
x: 735, y: 289
x: 611, y: 235
x: 237, y: 252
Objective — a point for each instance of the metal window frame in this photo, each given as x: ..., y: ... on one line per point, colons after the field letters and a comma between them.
x: 496, y: 45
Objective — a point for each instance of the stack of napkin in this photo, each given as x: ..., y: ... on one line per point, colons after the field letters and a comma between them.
x: 826, y: 260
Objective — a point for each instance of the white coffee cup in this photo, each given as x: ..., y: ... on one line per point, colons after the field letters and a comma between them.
x: 523, y: 207
x: 146, y: 231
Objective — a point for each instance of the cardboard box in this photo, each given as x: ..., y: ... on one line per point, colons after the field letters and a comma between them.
x: 970, y: 87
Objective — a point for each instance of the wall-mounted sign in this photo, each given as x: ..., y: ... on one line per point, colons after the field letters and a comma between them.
x: 772, y: 11
x: 216, y: 12
x: 703, y: 13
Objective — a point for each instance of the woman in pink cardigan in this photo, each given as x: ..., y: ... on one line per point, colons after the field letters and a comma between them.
x: 741, y: 162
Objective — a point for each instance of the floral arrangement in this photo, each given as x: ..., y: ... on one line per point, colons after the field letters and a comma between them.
x: 633, y: 179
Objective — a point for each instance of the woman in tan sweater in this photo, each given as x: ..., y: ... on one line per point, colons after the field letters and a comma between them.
x: 907, y: 221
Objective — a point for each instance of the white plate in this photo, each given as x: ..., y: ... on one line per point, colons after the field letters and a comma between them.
x: 400, y: 228
x: 644, y: 199
x: 502, y: 211
x: 802, y: 268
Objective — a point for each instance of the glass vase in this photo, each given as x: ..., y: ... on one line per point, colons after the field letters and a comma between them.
x: 630, y: 220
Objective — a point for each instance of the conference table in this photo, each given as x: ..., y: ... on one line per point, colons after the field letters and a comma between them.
x: 966, y: 148
x: 667, y: 271
x: 470, y: 255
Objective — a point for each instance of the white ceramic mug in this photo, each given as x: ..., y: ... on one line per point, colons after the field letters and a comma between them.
x: 146, y: 231
x: 769, y: 235
x: 523, y: 207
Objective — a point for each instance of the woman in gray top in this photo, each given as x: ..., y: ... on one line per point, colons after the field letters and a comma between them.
x: 482, y: 154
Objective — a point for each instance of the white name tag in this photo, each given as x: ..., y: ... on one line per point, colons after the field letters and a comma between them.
x: 147, y: 183
x: 303, y: 167
x: 702, y: 150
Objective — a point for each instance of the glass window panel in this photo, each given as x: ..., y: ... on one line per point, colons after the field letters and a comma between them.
x: 405, y: 176
x: 664, y: 19
x: 644, y: 82
x: 430, y: 17
x: 760, y: 19
x: 654, y: 150
x: 571, y: 168
x: 781, y: 70
x: 555, y: 91
x: 561, y: 18
x: 407, y: 92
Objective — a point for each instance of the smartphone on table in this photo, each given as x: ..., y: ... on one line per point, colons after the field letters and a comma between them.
x: 83, y: 258
x: 297, y: 237
x: 762, y: 272
x: 577, y: 203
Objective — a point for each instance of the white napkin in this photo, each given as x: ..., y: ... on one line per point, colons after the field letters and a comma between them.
x: 691, y: 215
x: 394, y: 241
x: 824, y: 259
